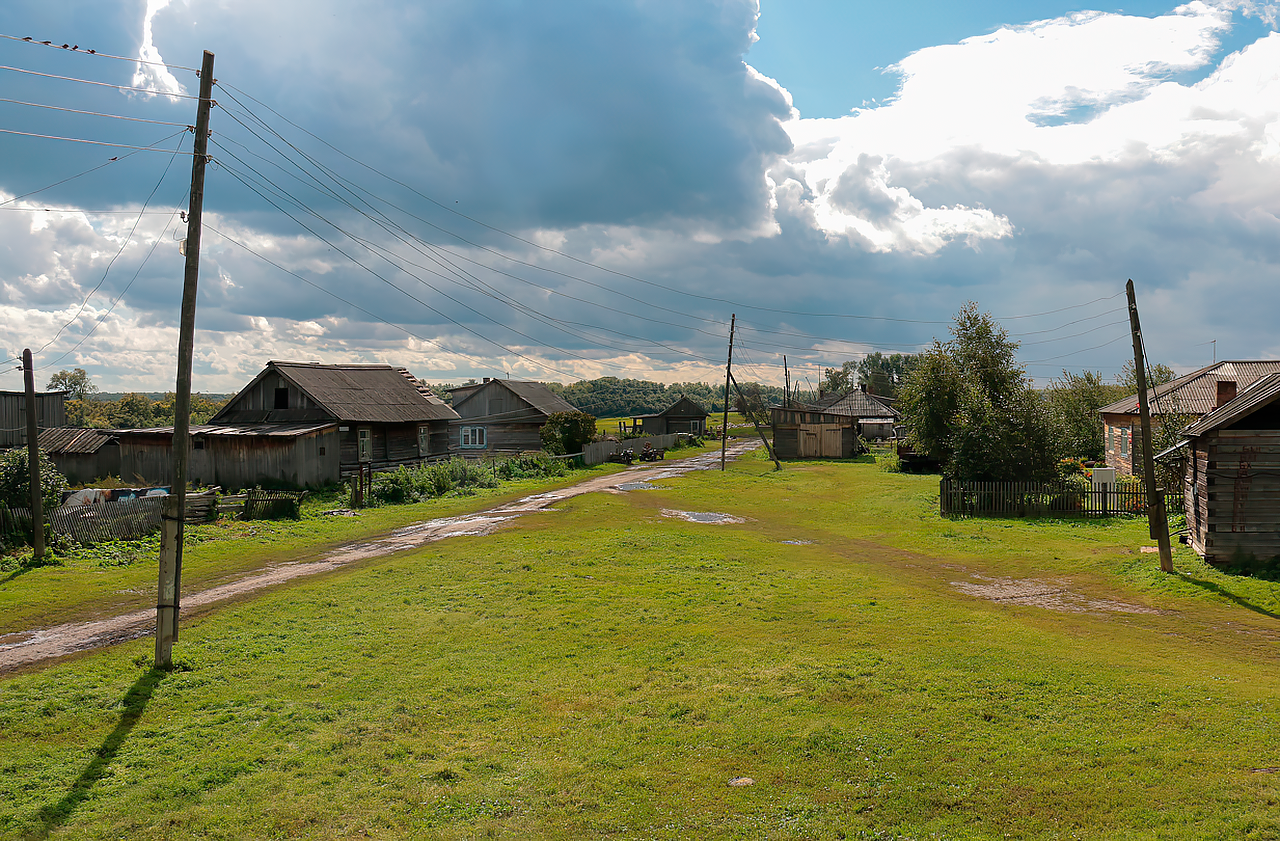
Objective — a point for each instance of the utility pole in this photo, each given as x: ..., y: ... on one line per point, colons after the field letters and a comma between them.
x: 1157, y: 521
x: 175, y: 505
x: 728, y: 374
x: 786, y: 373
x: 33, y: 459
x: 777, y: 464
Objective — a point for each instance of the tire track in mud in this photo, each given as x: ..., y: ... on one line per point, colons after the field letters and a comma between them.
x: 25, y: 648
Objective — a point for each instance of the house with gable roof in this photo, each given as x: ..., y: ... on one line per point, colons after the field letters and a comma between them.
x: 502, y: 416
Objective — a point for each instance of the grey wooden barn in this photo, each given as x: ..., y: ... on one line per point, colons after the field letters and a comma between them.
x: 82, y: 455
x: 384, y: 416
x: 501, y: 416
x: 874, y: 417
x: 1232, y: 479
x: 807, y: 432
x: 236, y: 456
x: 51, y: 412
x: 684, y: 415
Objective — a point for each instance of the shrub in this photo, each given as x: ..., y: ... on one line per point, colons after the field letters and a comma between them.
x: 429, y: 481
x: 531, y: 466
x: 15, y: 480
x: 568, y: 432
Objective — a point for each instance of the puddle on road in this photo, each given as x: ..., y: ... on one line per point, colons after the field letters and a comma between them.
x: 637, y: 486
x: 798, y: 542
x: 1044, y: 594
x: 712, y: 517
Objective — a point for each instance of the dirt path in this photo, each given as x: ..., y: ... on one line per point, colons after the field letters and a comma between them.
x: 27, y: 647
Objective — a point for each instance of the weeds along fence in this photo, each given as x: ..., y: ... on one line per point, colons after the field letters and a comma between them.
x: 120, y: 519
x: 1045, y: 499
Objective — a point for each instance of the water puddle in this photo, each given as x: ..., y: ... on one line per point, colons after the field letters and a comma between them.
x: 712, y: 517
x: 1044, y: 594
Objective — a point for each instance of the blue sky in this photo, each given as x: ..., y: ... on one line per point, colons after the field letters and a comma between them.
x: 575, y: 189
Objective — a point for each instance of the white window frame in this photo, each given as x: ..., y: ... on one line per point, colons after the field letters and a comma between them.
x: 424, y: 441
x: 472, y: 438
x: 364, y: 444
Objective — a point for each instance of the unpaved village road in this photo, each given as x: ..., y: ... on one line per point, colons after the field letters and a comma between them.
x: 25, y: 648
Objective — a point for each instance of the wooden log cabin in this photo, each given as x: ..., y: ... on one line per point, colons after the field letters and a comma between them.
x: 1232, y: 481
x: 807, y: 432
x: 501, y: 416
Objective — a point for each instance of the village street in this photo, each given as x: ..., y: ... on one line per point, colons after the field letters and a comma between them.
x: 40, y: 644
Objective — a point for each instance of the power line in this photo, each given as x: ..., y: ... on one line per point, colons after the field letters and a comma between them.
x: 83, y: 140
x: 94, y: 113
x: 99, y: 84
x: 76, y: 49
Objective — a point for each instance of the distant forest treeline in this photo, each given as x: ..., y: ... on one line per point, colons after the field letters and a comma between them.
x: 610, y: 397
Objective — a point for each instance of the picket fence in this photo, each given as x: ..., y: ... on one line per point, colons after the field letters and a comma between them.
x: 120, y: 519
x: 1044, y: 499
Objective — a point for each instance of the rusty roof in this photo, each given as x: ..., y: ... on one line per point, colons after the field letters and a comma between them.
x: 1254, y: 397
x: 67, y: 440
x: 1197, y: 393
x: 357, y: 393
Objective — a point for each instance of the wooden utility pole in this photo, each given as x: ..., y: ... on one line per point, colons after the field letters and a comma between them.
x: 1157, y: 520
x: 786, y: 373
x: 175, y: 505
x: 728, y: 374
x: 33, y: 459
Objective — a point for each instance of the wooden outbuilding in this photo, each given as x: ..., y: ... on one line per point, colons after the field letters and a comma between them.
x: 874, y: 417
x: 384, y: 417
x: 51, y: 412
x: 1232, y: 482
x: 807, y: 432
x: 1182, y: 400
x: 501, y: 416
x: 82, y: 455
x: 236, y: 456
x: 684, y: 415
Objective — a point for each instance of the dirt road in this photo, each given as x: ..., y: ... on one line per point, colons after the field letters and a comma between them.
x: 25, y: 648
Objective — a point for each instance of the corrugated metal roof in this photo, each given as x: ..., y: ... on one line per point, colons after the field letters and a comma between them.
x: 358, y: 393
x: 1257, y: 395
x: 857, y: 404
x: 277, y: 430
x: 536, y: 395
x: 67, y: 440
x: 1197, y: 393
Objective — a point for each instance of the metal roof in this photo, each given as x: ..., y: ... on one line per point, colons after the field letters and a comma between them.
x: 268, y: 430
x: 857, y: 404
x: 536, y: 395
x: 67, y: 440
x: 1257, y: 395
x: 357, y: 393
x: 1197, y: 393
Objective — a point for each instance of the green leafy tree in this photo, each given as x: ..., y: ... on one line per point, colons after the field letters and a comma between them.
x: 884, y: 375
x: 969, y: 405
x: 1158, y: 374
x: 75, y: 382
x: 752, y: 402
x: 15, y: 480
x: 133, y: 411
x: 1073, y: 403
x: 840, y: 380
x: 568, y: 432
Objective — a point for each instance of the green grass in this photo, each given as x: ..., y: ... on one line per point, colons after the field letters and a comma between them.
x: 603, y: 671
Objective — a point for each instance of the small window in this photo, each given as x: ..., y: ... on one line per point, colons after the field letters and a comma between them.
x: 198, y: 444
x: 364, y: 445
x: 473, y: 437
x: 1125, y: 434
x: 424, y: 441
x: 282, y: 398
x: 322, y: 451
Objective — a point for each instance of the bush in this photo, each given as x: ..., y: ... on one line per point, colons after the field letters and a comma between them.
x: 428, y: 481
x: 568, y: 432
x: 532, y: 466
x: 15, y: 480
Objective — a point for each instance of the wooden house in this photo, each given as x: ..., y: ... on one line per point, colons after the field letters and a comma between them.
x: 1185, y: 399
x: 236, y: 456
x: 875, y: 418
x: 809, y: 432
x: 684, y: 415
x: 1232, y: 482
x: 384, y: 416
x: 51, y: 412
x: 501, y: 416
x: 82, y: 455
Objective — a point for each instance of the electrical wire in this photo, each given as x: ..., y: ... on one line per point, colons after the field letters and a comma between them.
x: 82, y: 140
x: 99, y: 84
x: 107, y: 163
x: 96, y: 113
x: 76, y: 49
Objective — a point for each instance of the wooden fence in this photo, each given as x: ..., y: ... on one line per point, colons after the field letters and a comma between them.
x: 1045, y: 499
x: 599, y: 451
x: 120, y: 519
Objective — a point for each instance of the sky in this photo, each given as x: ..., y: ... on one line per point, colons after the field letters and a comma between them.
x: 570, y: 190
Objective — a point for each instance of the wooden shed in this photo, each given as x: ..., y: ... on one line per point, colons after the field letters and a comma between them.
x: 1186, y: 398
x: 384, y: 416
x: 51, y: 412
x: 1232, y: 483
x: 684, y: 415
x: 807, y: 432
x: 874, y: 417
x: 236, y: 456
x: 502, y: 415
x: 82, y: 455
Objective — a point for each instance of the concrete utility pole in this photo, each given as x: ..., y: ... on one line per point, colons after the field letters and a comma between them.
x: 1157, y: 520
x: 33, y: 459
x: 728, y: 374
x: 175, y: 505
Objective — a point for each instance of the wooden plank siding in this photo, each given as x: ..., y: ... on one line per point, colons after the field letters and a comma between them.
x: 51, y: 412
x: 235, y: 461
x: 1232, y: 494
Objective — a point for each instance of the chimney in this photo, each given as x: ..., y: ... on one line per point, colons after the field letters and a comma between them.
x: 486, y: 379
x: 1226, y: 392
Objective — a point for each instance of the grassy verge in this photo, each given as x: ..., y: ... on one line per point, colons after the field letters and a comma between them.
x: 605, y: 670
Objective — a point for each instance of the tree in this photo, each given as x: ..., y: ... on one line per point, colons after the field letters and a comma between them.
x: 884, y: 375
x: 75, y: 382
x: 749, y: 400
x: 840, y: 380
x: 567, y: 432
x: 133, y: 411
x: 969, y: 405
x: 1157, y: 374
x: 15, y: 480
x: 1073, y: 403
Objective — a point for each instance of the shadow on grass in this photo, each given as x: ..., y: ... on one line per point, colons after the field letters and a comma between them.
x: 1217, y: 589
x: 134, y: 702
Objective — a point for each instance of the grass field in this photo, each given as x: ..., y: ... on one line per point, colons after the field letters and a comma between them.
x: 604, y: 670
